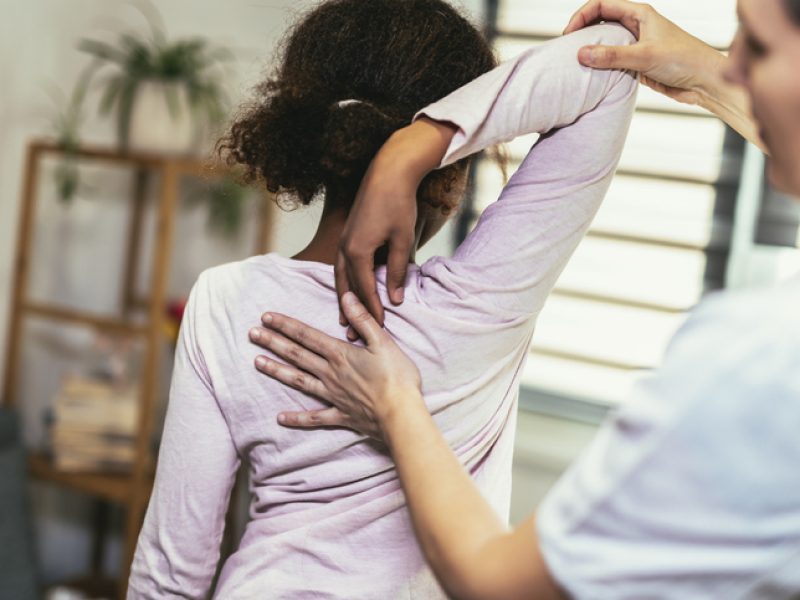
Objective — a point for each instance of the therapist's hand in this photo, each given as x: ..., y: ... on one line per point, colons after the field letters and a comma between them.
x: 670, y: 60
x: 365, y: 385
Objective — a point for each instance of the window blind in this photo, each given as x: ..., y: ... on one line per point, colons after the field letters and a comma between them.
x: 661, y: 239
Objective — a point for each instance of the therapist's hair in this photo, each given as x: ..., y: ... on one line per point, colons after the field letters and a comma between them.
x: 793, y: 8
x: 351, y: 72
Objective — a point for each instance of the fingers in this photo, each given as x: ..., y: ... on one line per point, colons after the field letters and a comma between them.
x: 360, y: 319
x: 325, y: 417
x: 342, y: 285
x: 397, y: 267
x: 361, y: 276
x: 300, y: 344
x: 293, y: 377
x: 594, y: 11
x: 629, y: 58
x: 583, y: 17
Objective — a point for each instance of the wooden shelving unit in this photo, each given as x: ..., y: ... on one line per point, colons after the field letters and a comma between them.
x: 130, y: 490
x: 108, y: 486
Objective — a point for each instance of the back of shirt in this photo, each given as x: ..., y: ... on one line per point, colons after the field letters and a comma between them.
x: 335, y: 493
x: 327, y: 512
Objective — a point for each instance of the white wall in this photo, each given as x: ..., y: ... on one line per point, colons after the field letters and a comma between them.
x: 37, y: 52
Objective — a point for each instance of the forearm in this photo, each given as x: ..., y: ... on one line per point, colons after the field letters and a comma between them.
x: 468, y: 547
x: 728, y: 102
x: 415, y: 150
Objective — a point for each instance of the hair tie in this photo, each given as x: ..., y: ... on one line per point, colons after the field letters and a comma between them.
x: 348, y: 102
x: 352, y: 101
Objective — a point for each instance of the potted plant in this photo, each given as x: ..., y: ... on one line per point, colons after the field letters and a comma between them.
x: 165, y: 94
x: 66, y: 124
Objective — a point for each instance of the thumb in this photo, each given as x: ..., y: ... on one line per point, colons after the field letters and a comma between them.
x: 360, y: 319
x: 630, y: 58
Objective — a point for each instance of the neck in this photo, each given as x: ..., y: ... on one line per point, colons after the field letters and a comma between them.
x: 324, y: 246
x: 325, y: 243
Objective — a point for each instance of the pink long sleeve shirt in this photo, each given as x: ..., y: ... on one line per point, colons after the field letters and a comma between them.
x: 327, y: 515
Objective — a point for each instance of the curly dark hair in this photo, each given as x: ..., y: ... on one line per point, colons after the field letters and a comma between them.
x: 393, y: 56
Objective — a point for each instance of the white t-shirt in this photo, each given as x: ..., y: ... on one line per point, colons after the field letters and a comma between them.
x: 692, y: 489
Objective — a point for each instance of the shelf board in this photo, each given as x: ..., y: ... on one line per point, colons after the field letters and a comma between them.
x: 82, y: 318
x: 110, y: 486
x: 183, y: 165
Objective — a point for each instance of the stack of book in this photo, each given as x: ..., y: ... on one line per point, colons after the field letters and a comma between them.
x: 94, y: 426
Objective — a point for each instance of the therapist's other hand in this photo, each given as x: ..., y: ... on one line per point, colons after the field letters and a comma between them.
x: 384, y: 215
x: 364, y: 384
x: 670, y: 60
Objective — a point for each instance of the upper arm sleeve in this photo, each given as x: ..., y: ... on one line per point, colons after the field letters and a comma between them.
x: 691, y: 490
x: 510, y: 261
x: 179, y: 544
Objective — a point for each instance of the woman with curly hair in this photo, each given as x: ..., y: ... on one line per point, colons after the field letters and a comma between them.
x: 327, y: 513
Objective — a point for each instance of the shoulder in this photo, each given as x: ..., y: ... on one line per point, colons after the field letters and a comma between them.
x: 225, y: 283
x: 732, y: 331
x: 233, y: 272
x: 728, y: 391
x: 218, y: 301
x: 780, y: 300
x: 734, y: 364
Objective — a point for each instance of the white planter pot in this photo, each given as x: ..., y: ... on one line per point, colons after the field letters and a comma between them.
x: 153, y: 128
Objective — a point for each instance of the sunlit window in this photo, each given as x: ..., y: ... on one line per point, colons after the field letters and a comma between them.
x: 660, y: 241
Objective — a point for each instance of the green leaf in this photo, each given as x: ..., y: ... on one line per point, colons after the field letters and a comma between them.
x: 82, y: 86
x: 102, y: 50
x: 192, y: 62
x: 140, y: 60
x: 111, y: 93
x: 127, y: 97
x: 67, y: 180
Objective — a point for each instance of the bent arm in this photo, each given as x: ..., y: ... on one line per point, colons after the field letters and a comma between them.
x: 542, y: 89
x: 509, y: 263
x: 522, y: 243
